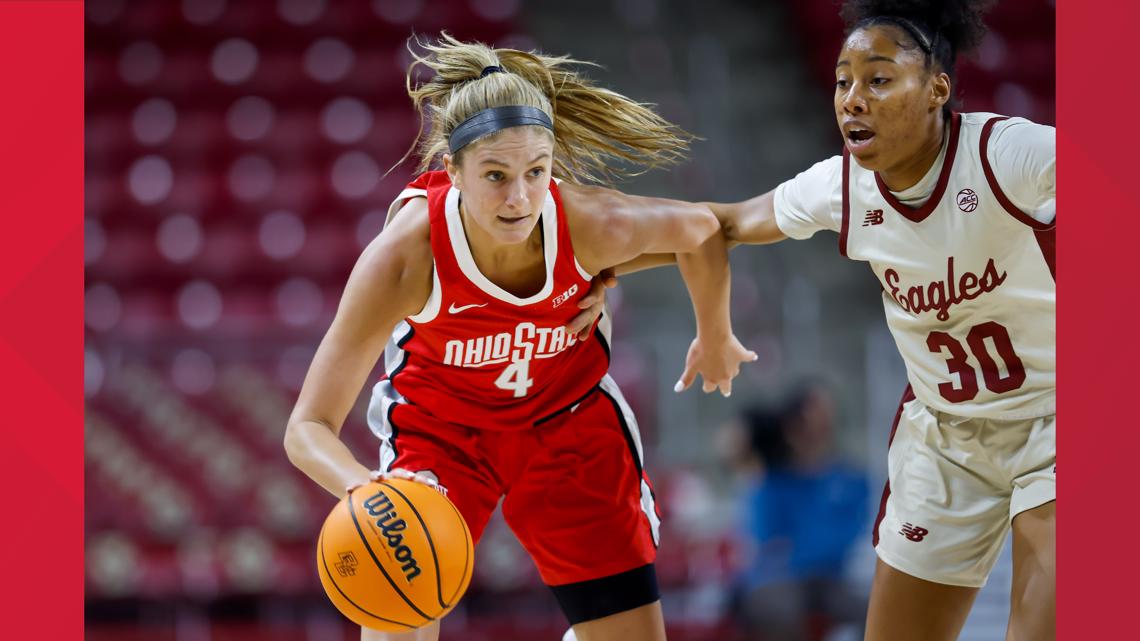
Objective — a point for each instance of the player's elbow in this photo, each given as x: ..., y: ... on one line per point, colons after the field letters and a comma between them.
x: 294, y: 444
x: 298, y: 443
x: 698, y: 227
x: 728, y: 219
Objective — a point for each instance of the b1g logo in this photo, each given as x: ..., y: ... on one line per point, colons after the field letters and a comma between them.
x: 967, y: 200
x: 565, y: 296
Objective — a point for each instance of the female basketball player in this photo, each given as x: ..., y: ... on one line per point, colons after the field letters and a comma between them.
x: 480, y: 267
x: 955, y: 214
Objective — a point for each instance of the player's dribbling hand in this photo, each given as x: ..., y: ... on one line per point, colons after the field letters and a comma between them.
x: 398, y: 473
x: 717, y: 362
x: 591, y: 305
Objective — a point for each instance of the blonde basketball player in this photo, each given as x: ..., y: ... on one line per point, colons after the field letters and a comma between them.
x: 954, y: 212
x: 474, y: 279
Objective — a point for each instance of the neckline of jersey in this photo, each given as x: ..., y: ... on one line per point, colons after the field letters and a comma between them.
x: 462, y: 251
x: 919, y: 214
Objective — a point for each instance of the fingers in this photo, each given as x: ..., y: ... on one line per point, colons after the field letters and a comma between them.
x: 593, y: 297
x: 607, y: 277
x: 725, y: 388
x: 687, y: 378
x: 592, y: 305
x: 581, y: 324
x: 401, y: 473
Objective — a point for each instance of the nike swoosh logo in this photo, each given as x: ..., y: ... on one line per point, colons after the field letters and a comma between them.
x: 455, y: 310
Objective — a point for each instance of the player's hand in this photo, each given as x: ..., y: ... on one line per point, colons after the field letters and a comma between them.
x: 717, y: 362
x: 398, y: 473
x: 591, y: 304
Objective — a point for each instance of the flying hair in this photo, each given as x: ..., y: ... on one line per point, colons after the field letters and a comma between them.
x: 599, y: 135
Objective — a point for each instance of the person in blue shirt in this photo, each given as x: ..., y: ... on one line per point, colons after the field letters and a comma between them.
x: 802, y: 510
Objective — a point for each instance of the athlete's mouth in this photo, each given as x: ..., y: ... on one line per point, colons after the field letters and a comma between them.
x: 859, y: 135
x: 512, y: 220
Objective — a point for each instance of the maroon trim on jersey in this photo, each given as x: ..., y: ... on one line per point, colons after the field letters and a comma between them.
x: 920, y: 214
x: 908, y: 396
x: 1006, y: 203
x: 1047, y: 241
x: 846, y: 202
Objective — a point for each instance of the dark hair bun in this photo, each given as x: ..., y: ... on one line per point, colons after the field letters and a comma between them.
x: 957, y: 22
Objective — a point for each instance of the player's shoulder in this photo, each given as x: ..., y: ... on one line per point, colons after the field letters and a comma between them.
x: 599, y: 219
x: 587, y: 199
x: 592, y: 211
x: 1002, y: 123
x: 404, y: 245
x: 824, y: 175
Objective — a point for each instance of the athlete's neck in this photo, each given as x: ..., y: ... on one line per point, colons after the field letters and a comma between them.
x: 911, y: 170
x: 497, y: 260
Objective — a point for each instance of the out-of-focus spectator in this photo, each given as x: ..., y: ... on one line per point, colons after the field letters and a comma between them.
x: 802, y: 509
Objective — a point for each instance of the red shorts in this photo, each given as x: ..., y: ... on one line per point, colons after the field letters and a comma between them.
x: 576, y: 495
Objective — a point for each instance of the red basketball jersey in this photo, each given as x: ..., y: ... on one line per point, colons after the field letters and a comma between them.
x: 480, y: 356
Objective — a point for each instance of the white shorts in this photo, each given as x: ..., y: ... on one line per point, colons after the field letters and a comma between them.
x: 954, y: 485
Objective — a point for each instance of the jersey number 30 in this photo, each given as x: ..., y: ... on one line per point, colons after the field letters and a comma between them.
x: 515, y: 378
x: 959, y: 364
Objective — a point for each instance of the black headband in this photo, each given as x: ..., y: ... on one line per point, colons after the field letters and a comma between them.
x: 915, y: 32
x: 495, y: 119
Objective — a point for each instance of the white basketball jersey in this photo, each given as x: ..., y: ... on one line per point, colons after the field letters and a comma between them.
x: 968, y: 282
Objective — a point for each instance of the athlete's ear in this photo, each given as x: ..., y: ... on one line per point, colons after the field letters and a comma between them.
x: 939, y: 91
x: 452, y: 169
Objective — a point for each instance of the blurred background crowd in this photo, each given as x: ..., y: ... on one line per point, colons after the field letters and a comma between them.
x: 237, y: 161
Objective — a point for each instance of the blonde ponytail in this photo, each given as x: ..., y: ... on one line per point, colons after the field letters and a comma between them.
x: 593, y: 127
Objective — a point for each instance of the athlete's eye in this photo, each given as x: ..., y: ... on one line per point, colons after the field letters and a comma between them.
x: 841, y: 83
x: 537, y: 172
x: 494, y: 176
x: 880, y: 81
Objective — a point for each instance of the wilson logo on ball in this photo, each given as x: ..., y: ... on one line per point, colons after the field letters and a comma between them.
x: 380, y: 507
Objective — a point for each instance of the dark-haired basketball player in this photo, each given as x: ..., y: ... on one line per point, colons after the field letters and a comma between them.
x: 955, y: 214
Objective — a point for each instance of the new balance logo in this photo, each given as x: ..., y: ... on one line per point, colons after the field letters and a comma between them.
x: 914, y: 532
x: 455, y: 310
x: 873, y: 217
x: 565, y: 296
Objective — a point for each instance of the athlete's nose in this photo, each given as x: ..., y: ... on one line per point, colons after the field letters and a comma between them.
x: 853, y: 100
x: 516, y: 195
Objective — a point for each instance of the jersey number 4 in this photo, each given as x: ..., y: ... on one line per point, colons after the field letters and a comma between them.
x: 959, y: 364
x: 515, y: 378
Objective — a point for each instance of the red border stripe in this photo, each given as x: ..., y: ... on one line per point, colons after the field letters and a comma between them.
x: 41, y: 308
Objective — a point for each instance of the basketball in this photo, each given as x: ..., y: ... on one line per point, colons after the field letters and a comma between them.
x: 394, y: 555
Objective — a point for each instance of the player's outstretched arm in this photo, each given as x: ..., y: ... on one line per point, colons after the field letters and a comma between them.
x: 751, y: 222
x: 610, y: 228
x: 391, y: 280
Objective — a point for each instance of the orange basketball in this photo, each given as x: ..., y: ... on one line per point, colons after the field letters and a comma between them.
x: 395, y: 555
